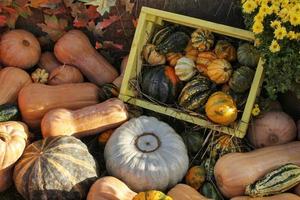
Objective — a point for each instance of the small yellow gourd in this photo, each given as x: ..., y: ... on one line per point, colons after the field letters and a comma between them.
x: 151, y: 195
x: 40, y: 76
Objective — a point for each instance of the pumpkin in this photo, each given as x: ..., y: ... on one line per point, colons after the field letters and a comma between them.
x: 161, y: 83
x: 209, y: 190
x: 241, y: 79
x: 85, y: 121
x: 193, y: 140
x: 202, y: 39
x: 12, y: 80
x: 283, y: 196
x: 203, y: 60
x: 151, y: 195
x: 225, y: 50
x: 239, y: 98
x: 249, y: 167
x: 118, y: 81
x: 74, y: 48
x: 110, y: 188
x: 9, y: 112
x: 55, y: 168
x: 35, y: 100
x: 172, y: 58
x: 65, y: 74
x: 191, y: 52
x: 248, y: 55
x: 219, y: 71
x: 48, y: 61
x: 40, y: 76
x: 25, y: 44
x: 141, y: 151
x: 162, y: 34
x: 151, y: 56
x: 220, y: 108
x: 185, y: 69
x: 195, y: 93
x: 104, y: 136
x: 195, y: 177
x: 176, y: 42
x: 185, y: 192
x: 272, y: 128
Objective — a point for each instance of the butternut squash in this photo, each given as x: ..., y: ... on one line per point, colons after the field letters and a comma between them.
x: 48, y: 61
x: 35, y: 100
x: 12, y: 80
x: 185, y: 192
x: 118, y: 81
x: 74, y: 48
x: 234, y: 171
x: 85, y: 121
x: 65, y: 74
x: 284, y: 196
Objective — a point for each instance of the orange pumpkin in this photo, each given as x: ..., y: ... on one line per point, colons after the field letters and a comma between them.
x: 65, y: 74
x: 19, y: 48
x: 172, y: 58
x: 219, y: 71
x: 203, y: 60
x: 104, y: 136
x: 220, y: 108
x: 225, y: 50
x: 191, y: 52
x: 185, y: 192
x: 195, y: 177
x: 48, y: 61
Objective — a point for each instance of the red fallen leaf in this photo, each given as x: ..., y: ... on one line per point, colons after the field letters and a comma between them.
x: 98, y: 45
x: 80, y: 22
x: 92, y: 12
x: 135, y: 22
x: 2, y: 20
x: 112, y: 45
x: 9, y: 10
x: 21, y: 3
x: 107, y: 22
x: 53, y: 26
x: 56, y: 11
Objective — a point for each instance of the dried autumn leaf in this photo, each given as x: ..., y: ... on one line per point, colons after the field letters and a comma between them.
x: 103, y: 6
x: 2, y: 20
x: 112, y: 45
x: 107, y: 22
x: 53, y: 26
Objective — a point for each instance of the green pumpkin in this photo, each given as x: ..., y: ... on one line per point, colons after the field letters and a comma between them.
x: 195, y: 93
x: 241, y: 79
x: 161, y: 83
x: 193, y: 141
x: 162, y: 34
x: 202, y: 39
x: 176, y: 42
x: 9, y: 112
x: 209, y: 190
x: 248, y: 55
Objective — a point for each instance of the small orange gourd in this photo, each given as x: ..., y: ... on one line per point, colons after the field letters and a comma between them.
x: 219, y: 71
x: 203, y: 60
x: 172, y: 58
x: 195, y: 177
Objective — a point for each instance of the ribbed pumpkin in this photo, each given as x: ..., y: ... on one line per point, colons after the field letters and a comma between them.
x: 225, y: 50
x: 219, y: 71
x: 55, y: 168
x: 191, y: 52
x: 247, y: 55
x: 241, y: 79
x: 151, y: 195
x: 195, y: 93
x: 195, y: 177
x: 176, y: 42
x: 203, y: 60
x: 161, y: 83
x: 185, y: 69
x: 202, y: 39
x: 172, y: 58
x: 151, y: 56
x: 220, y: 108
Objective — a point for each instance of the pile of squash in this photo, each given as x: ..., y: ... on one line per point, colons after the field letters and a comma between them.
x: 199, y: 71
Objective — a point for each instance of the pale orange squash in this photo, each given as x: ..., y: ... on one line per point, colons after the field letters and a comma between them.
x: 48, y: 61
x: 65, y: 74
x: 284, y: 196
x: 185, y: 192
x: 118, y: 81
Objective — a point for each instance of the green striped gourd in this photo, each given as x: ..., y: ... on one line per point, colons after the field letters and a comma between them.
x: 162, y: 34
x: 176, y: 42
x: 275, y: 182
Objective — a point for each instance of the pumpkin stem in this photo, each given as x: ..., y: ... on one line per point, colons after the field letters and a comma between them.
x: 5, y: 137
x: 273, y: 139
x: 26, y: 43
x: 147, y: 142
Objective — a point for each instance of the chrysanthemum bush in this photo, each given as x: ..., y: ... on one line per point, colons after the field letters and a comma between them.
x: 276, y: 25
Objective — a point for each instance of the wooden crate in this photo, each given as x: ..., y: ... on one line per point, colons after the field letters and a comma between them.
x: 148, y: 20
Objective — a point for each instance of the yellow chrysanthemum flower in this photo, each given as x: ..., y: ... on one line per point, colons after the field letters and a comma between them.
x: 249, y: 6
x: 275, y: 9
x: 296, y: 8
x: 295, y: 19
x: 257, y: 42
x: 243, y: 1
x: 298, y: 36
x: 275, y: 24
x: 256, y: 110
x: 284, y: 14
x: 274, y: 47
x: 266, y: 10
x: 292, y: 35
x: 257, y: 27
x: 280, y: 33
x: 284, y: 3
x: 265, y: 2
x: 259, y: 17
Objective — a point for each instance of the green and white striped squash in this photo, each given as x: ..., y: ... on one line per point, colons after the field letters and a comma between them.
x: 277, y: 181
x: 55, y: 168
x: 202, y: 39
x: 185, y: 69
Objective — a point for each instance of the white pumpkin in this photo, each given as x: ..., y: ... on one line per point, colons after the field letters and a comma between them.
x: 146, y: 154
x: 185, y: 69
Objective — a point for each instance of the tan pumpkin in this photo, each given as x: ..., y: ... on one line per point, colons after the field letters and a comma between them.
x: 110, y: 188
x: 74, y: 48
x: 19, y: 48
x: 185, y: 192
x: 284, y: 196
x: 153, y: 57
x: 272, y: 128
x: 65, y: 74
x: 220, y: 108
x: 85, y: 121
x: 48, y: 61
x: 12, y: 80
x: 195, y: 177
x: 35, y: 100
x: 118, y: 81
x: 172, y: 58
x: 219, y: 71
x: 203, y: 60
x: 249, y: 167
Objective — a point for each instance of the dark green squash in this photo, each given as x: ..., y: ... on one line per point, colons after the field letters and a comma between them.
x: 241, y: 79
x: 55, y: 168
x: 193, y: 140
x: 209, y: 190
x: 162, y: 34
x: 247, y: 55
x: 176, y: 42
x: 195, y: 93
x: 161, y: 83
x: 9, y: 112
